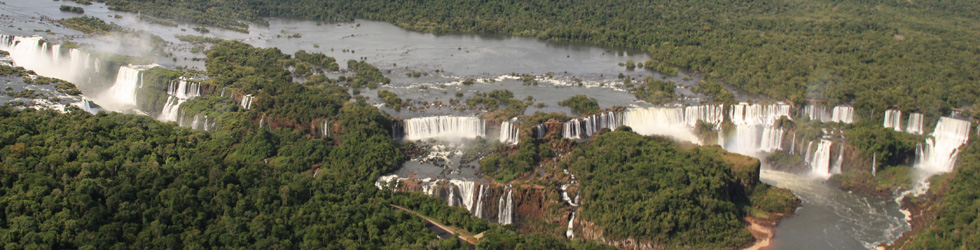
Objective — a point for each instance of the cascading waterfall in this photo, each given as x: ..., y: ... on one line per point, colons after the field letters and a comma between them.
x: 326, y: 128
x: 569, y: 233
x: 128, y: 80
x: 772, y: 139
x: 509, y: 133
x: 792, y: 145
x: 585, y: 127
x: 444, y: 127
x: 941, y: 150
x: 758, y: 114
x: 33, y: 53
x: 87, y: 106
x: 178, y: 91
x: 755, y: 128
x: 452, y: 196
x: 915, y: 124
x: 478, y: 208
x: 198, y: 121
x: 808, y: 154
x: 820, y: 160
x: 566, y: 198
x: 385, y: 179
x: 539, y: 130
x: 840, y: 161
x: 246, y: 101
x: 710, y: 114
x: 844, y: 114
x: 466, y: 192
x: 874, y: 164
x: 505, y: 211
x: 893, y: 119
x: 816, y: 113
x: 665, y: 121
x: 463, y: 193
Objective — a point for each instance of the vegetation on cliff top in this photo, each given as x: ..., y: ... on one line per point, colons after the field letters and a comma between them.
x: 653, y: 190
x: 949, y: 218
x: 112, y: 180
x: 581, y: 104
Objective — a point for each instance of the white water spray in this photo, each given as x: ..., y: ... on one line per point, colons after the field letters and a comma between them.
x: 893, y: 119
x: 820, y: 160
x: 915, y: 124
x: 939, y: 154
x: 509, y: 133
x: 444, y: 128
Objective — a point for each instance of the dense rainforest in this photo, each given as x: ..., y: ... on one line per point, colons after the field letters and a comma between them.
x: 115, y: 181
x: 914, y: 55
x: 653, y: 190
x: 949, y: 215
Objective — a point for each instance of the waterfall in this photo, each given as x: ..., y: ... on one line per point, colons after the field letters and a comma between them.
x: 755, y: 128
x: 326, y: 128
x: 772, y: 139
x: 569, y: 233
x: 808, y: 154
x: 466, y: 192
x: 874, y: 164
x: 585, y: 127
x: 792, y: 145
x: 665, y: 121
x: 893, y: 119
x: 87, y: 106
x: 840, y: 161
x: 566, y: 198
x: 463, y: 193
x: 710, y: 114
x: 915, y: 124
x: 844, y: 114
x: 941, y: 150
x: 820, y: 161
x: 429, y: 186
x: 758, y: 114
x: 509, y: 133
x: 247, y: 101
x: 33, y: 53
x: 444, y: 127
x: 196, y: 122
x: 815, y: 113
x: 123, y: 91
x: 396, y: 131
x: 384, y: 180
x: 505, y: 211
x: 178, y: 91
x: 539, y: 131
x: 478, y: 208
x: 452, y: 196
